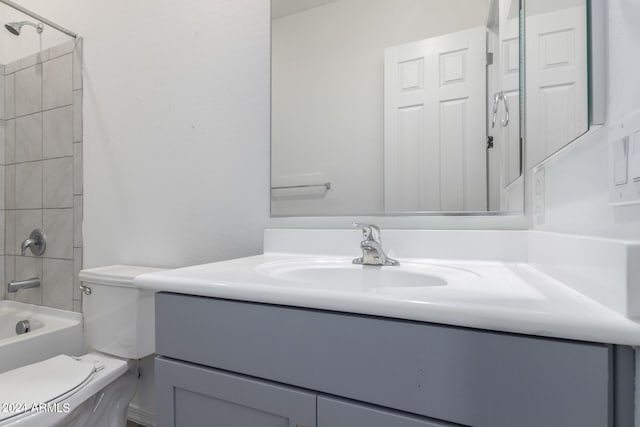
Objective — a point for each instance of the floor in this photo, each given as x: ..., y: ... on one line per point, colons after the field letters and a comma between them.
x: 132, y: 424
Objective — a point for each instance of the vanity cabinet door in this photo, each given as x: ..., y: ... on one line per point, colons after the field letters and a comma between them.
x: 194, y: 396
x: 341, y: 413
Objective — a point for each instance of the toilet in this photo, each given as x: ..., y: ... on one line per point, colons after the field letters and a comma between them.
x: 93, y: 389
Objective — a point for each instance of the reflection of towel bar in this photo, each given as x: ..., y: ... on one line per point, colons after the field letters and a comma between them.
x: 326, y: 185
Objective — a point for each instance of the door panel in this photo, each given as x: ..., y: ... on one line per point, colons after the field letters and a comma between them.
x: 557, y: 85
x: 435, y: 135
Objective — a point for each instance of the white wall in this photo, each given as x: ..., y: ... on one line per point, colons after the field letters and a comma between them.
x: 176, y: 128
x: 328, y: 65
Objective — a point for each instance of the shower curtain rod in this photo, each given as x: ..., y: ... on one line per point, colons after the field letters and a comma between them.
x: 39, y: 18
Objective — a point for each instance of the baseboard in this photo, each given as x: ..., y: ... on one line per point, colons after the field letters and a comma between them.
x: 139, y: 416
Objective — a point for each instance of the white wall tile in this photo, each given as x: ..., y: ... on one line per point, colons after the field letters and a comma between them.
x: 10, y: 187
x: 77, y: 266
x: 2, y: 277
x: 57, y: 189
x: 77, y: 65
x: 9, y: 96
x: 2, y: 187
x: 2, y: 234
x: 77, y: 221
x: 58, y: 283
x: 10, y: 142
x: 3, y: 140
x: 2, y: 97
x: 29, y: 185
x: 57, y: 125
x: 28, y: 92
x: 29, y: 138
x: 77, y: 168
x: 12, y: 67
x: 9, y: 271
x: 77, y: 116
x: 58, y: 226
x: 60, y: 50
x: 10, y: 233
x: 57, y: 82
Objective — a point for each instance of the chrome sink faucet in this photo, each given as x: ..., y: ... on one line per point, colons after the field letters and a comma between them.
x: 371, y: 245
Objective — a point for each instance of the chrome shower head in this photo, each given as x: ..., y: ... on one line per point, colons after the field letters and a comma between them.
x: 15, y: 27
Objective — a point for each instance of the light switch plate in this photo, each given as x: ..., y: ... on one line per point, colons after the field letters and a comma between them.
x: 624, y: 159
x: 620, y: 160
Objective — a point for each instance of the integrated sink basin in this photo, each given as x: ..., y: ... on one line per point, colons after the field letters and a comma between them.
x: 336, y: 273
x: 487, y: 286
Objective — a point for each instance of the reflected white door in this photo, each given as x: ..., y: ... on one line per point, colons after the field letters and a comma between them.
x: 434, y: 117
x: 557, y: 100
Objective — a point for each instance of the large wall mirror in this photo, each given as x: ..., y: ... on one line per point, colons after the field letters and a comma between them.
x: 412, y: 106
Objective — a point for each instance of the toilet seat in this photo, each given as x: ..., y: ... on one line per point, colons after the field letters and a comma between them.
x: 64, y: 383
x: 23, y: 389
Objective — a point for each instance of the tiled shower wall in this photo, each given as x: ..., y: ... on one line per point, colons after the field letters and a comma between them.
x: 42, y: 164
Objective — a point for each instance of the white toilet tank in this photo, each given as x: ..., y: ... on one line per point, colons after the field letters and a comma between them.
x: 119, y: 319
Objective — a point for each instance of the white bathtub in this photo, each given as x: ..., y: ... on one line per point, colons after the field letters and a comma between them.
x: 53, y: 332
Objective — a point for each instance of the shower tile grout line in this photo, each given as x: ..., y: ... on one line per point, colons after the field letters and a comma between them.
x: 39, y: 111
x: 42, y: 160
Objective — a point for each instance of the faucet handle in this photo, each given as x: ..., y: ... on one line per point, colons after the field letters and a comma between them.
x: 37, y: 242
x: 369, y: 231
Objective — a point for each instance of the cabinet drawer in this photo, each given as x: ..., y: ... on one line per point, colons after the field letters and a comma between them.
x: 340, y: 413
x: 446, y: 373
x: 193, y: 396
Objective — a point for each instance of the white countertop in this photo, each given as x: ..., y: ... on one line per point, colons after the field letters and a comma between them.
x: 490, y: 295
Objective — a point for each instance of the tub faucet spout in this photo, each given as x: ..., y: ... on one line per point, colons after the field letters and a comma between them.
x: 16, y: 285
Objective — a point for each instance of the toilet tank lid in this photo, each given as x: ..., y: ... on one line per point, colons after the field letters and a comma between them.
x: 116, y: 275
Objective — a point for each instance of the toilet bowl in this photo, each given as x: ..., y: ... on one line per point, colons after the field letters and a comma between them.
x: 93, y: 389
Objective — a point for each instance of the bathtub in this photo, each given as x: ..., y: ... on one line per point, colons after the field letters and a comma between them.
x: 52, y: 332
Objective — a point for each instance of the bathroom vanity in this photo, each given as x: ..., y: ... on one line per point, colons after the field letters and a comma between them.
x: 259, y: 364
x: 297, y: 339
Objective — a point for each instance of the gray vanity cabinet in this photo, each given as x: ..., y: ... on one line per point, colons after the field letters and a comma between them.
x: 226, y: 360
x: 193, y: 396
